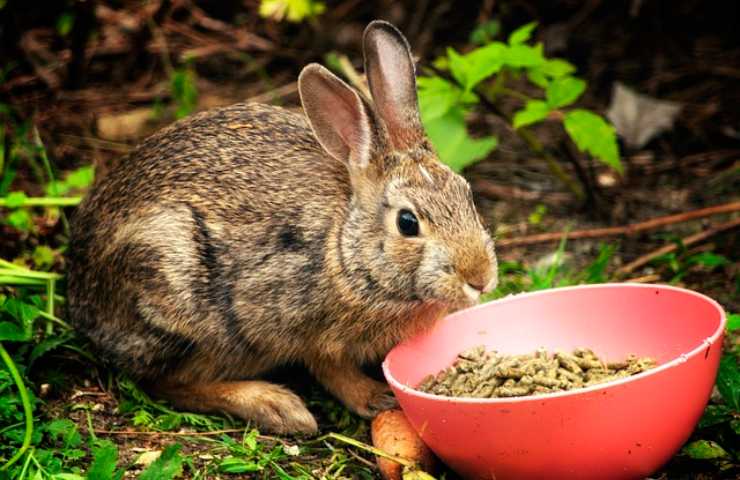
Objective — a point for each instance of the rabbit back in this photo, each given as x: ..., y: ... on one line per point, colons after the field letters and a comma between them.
x: 223, y: 213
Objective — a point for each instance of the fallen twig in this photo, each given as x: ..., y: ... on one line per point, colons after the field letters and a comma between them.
x: 630, y: 229
x: 653, y: 277
x: 691, y: 239
x: 510, y: 192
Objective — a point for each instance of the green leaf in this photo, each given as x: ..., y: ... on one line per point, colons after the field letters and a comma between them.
x: 536, y: 76
x: 169, y: 421
x: 704, y: 450
x: 596, y: 271
x: 237, y: 465
x: 453, y: 144
x: 15, y: 199
x: 458, y: 66
x: 65, y: 22
x: 105, y: 457
x: 47, y: 345
x: 167, y: 466
x: 708, y: 259
x: 56, y: 188
x: 564, y: 91
x: 20, y: 219
x: 522, y: 34
x: 594, y: 135
x: 483, y: 62
x: 520, y: 56
x: 82, y: 177
x: 534, y: 111
x: 67, y: 476
x: 13, y: 333
x: 436, y: 97
x: 557, y: 68
x: 728, y: 381
x: 184, y: 91
x: 24, y: 314
x: 733, y: 322
x: 43, y: 257
x: 714, y: 415
x: 66, y: 430
x: 485, y: 32
x: 250, y: 441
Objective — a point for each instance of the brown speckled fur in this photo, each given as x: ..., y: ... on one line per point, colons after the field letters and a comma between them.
x: 231, y: 242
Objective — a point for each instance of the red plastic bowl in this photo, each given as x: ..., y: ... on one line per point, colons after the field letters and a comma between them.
x: 622, y: 429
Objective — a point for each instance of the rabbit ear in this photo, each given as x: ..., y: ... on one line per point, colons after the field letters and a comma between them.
x: 390, y: 74
x: 337, y: 115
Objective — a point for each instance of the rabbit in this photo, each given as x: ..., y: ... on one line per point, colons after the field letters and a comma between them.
x: 249, y: 237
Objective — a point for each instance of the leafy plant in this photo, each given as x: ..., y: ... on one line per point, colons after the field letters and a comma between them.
x: 680, y: 262
x: 184, y: 91
x: 515, y: 277
x: 482, y: 75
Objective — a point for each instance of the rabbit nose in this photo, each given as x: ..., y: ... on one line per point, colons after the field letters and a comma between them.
x: 483, y: 278
x: 476, y: 286
x: 483, y: 281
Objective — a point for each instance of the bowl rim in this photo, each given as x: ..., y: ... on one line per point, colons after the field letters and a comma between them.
x: 683, y: 358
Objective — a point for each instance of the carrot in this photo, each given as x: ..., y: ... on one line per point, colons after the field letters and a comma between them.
x: 392, y: 433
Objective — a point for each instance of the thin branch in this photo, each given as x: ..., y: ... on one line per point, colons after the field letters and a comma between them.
x: 354, y: 78
x: 697, y: 237
x: 630, y: 229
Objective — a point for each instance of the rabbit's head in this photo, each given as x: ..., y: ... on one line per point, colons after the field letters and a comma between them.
x: 412, y: 229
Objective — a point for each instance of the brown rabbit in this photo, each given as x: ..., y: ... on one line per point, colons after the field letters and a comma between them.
x: 249, y: 237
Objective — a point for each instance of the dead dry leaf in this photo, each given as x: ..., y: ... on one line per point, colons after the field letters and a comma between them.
x: 148, y: 457
x: 639, y: 118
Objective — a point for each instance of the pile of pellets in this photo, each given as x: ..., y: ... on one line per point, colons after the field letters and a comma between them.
x: 481, y: 374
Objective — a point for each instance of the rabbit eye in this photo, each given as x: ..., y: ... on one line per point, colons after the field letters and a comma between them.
x: 408, y: 224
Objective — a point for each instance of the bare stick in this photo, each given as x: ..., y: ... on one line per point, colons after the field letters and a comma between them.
x: 354, y: 78
x: 630, y: 229
x: 691, y: 239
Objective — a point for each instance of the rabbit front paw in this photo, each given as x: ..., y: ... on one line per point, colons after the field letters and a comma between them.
x: 361, y: 394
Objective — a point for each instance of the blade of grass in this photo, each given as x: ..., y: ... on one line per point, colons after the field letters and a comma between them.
x: 46, y: 202
x: 27, y: 411
x: 47, y: 166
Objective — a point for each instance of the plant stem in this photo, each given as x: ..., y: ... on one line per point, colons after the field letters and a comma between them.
x: 27, y: 411
x: 375, y: 451
x: 22, y: 273
x: 487, y: 98
x: 50, y: 304
x: 46, y: 202
x: 52, y: 181
x: 355, y: 79
x: 56, y: 320
x: 552, y: 164
x: 514, y: 93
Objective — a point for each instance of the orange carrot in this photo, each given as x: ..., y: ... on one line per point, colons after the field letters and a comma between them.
x: 393, y: 434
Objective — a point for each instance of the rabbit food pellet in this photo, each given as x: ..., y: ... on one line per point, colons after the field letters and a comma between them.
x: 486, y: 374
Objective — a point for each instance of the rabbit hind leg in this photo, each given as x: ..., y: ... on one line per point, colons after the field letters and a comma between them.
x: 269, y: 406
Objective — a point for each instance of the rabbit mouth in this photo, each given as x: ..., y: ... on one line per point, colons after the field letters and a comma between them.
x: 471, y: 292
